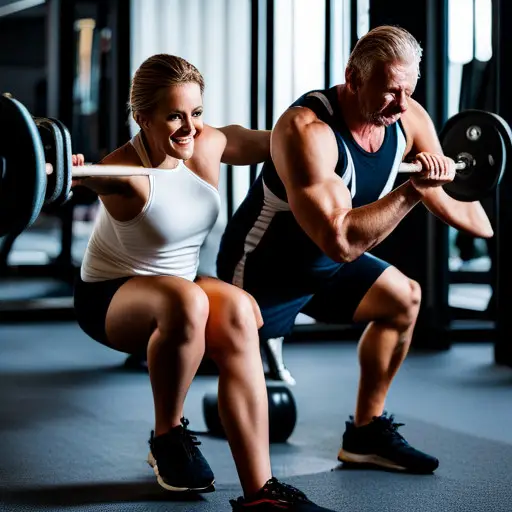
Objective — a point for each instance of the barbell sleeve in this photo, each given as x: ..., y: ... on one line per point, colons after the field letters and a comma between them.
x: 417, y: 167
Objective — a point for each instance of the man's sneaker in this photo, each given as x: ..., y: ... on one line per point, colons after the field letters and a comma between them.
x: 275, y: 495
x: 380, y: 444
x: 177, y: 462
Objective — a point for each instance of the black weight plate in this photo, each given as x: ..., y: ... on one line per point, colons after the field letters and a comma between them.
x: 53, y: 151
x: 67, y: 163
x: 506, y: 133
x: 475, y: 135
x: 23, y: 184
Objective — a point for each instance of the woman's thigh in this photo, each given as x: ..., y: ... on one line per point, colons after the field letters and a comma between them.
x: 146, y: 302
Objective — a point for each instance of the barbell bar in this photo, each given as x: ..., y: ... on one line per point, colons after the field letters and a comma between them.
x: 104, y: 171
x: 113, y: 171
x: 30, y: 148
x: 409, y: 167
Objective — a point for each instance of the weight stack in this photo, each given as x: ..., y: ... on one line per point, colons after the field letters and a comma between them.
x: 418, y: 247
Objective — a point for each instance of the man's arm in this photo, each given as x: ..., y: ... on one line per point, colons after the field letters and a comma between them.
x: 470, y: 217
x: 305, y: 154
x: 244, y: 146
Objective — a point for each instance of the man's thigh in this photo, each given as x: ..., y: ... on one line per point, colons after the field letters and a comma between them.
x: 337, y: 302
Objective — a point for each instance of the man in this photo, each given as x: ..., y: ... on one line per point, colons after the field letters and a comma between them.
x: 300, y: 241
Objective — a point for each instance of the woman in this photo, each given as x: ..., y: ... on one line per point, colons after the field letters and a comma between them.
x: 139, y: 292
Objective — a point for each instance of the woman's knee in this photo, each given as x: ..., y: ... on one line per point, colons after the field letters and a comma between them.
x: 233, y: 326
x: 257, y: 311
x: 182, y: 314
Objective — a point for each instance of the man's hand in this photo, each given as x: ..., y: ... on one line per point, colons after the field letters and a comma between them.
x: 437, y: 171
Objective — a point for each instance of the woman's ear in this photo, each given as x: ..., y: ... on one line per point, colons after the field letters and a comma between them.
x: 141, y: 119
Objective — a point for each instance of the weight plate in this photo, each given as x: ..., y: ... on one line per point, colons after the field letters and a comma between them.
x: 23, y: 177
x: 67, y: 163
x: 474, y: 135
x: 53, y: 152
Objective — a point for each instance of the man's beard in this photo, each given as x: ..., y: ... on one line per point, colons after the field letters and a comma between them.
x: 379, y: 118
x: 375, y: 118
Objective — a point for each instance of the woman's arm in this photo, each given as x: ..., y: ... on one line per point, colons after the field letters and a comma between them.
x: 244, y: 146
x: 103, y: 186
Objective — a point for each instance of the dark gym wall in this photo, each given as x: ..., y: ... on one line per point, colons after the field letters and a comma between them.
x: 419, y: 245
x: 23, y: 57
x: 502, y: 11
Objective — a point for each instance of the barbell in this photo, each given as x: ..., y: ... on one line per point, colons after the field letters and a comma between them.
x: 30, y: 147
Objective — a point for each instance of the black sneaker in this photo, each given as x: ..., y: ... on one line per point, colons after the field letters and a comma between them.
x: 380, y: 444
x: 177, y: 462
x: 275, y: 495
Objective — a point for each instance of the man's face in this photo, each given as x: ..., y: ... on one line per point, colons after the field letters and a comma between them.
x: 384, y: 97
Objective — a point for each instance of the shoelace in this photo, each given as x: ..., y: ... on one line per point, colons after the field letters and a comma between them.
x: 189, y: 440
x: 390, y: 428
x: 278, y: 489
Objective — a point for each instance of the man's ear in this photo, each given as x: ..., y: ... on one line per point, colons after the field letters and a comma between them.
x: 351, y: 80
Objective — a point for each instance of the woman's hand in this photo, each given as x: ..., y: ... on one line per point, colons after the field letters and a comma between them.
x: 77, y: 160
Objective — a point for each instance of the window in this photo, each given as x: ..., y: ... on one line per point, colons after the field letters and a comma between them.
x: 299, y: 50
x: 469, y: 37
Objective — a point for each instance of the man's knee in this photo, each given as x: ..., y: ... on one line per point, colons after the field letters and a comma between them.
x: 406, y: 299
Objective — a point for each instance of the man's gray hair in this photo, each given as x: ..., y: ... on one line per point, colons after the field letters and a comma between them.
x: 385, y: 44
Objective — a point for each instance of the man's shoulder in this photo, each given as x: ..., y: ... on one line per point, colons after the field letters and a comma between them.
x: 415, y: 119
x: 416, y: 113
x: 302, y: 125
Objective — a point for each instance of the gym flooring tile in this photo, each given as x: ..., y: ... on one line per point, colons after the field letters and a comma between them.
x: 74, y: 425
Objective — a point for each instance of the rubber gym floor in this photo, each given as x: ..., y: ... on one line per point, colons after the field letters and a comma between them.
x: 74, y: 425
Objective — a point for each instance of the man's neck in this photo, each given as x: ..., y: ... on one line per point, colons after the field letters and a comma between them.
x: 358, y: 125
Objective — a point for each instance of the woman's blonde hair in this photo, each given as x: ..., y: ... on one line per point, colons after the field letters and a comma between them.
x: 156, y: 74
x: 384, y: 44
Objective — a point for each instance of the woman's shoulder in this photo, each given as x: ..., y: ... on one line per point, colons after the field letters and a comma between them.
x: 124, y: 155
x: 210, y: 143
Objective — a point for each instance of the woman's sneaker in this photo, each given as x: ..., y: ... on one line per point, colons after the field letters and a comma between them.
x: 177, y: 461
x: 275, y: 495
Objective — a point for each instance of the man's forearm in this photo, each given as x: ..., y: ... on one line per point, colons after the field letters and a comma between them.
x: 361, y: 229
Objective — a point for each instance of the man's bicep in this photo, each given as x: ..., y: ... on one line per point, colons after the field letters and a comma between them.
x: 305, y: 154
x: 318, y: 209
x: 303, y: 149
